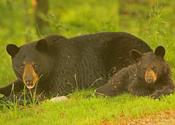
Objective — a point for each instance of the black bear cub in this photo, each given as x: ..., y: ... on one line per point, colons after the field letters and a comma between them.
x: 150, y: 75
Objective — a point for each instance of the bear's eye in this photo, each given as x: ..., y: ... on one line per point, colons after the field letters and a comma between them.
x: 35, y: 66
x: 22, y: 66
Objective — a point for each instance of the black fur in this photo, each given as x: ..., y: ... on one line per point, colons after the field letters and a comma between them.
x: 80, y: 62
x: 133, y: 79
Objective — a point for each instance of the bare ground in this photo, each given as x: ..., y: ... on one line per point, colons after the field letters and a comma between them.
x: 160, y: 118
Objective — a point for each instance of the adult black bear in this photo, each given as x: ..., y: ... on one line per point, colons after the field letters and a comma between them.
x: 149, y: 76
x: 59, y: 65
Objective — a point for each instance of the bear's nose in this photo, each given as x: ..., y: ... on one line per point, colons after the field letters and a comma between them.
x: 29, y: 82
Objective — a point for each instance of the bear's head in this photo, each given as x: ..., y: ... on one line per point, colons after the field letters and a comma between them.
x: 150, y: 66
x: 30, y: 61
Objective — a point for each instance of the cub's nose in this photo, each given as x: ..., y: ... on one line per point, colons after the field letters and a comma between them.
x: 149, y: 79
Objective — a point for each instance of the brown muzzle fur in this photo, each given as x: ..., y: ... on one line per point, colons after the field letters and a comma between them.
x: 30, y: 77
x: 150, y: 76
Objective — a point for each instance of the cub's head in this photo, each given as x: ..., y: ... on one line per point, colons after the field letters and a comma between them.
x: 150, y: 66
x: 30, y: 61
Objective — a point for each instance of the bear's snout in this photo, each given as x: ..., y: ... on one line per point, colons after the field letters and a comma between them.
x: 30, y: 77
x: 150, y: 76
x: 29, y: 82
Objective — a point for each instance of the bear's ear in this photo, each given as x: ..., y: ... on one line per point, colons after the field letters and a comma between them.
x: 135, y: 55
x: 160, y: 51
x: 41, y: 45
x: 12, y: 49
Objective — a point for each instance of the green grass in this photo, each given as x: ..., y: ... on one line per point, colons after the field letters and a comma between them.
x: 153, y: 22
x: 80, y: 110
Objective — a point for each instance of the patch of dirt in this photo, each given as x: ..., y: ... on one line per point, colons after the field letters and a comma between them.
x: 160, y: 118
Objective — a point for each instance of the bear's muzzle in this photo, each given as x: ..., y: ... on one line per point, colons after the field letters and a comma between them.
x: 30, y: 77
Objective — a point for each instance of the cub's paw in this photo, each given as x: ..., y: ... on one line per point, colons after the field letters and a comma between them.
x: 155, y: 95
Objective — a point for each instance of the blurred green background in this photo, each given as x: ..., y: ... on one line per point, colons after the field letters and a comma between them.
x: 151, y: 20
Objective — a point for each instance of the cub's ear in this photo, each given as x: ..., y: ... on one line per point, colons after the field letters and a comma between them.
x: 135, y: 55
x: 160, y: 51
x: 41, y: 45
x: 12, y: 49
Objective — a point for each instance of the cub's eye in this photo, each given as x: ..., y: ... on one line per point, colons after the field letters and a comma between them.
x: 143, y: 69
x: 154, y: 68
